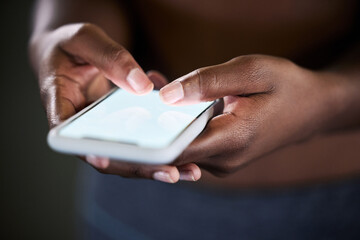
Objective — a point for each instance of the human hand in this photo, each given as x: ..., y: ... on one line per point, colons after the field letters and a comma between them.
x: 74, y: 64
x: 269, y: 103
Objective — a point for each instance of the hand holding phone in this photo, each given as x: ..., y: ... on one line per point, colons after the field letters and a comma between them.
x: 72, y: 74
x: 132, y: 128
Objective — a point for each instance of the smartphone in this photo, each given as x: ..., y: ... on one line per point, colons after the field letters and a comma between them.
x: 132, y: 128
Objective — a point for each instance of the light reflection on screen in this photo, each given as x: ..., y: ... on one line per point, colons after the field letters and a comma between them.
x: 142, y: 120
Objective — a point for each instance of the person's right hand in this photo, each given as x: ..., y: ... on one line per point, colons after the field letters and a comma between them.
x: 75, y: 63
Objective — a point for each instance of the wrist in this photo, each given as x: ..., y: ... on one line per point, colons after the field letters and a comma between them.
x: 342, y: 100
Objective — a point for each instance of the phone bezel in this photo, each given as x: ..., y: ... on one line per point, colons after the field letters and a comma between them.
x: 143, y: 154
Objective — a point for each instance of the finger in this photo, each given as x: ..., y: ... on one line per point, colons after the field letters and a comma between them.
x: 164, y: 173
x: 157, y: 78
x: 212, y: 149
x: 98, y: 87
x: 94, y: 46
x: 240, y: 76
x: 189, y: 172
x: 64, y: 98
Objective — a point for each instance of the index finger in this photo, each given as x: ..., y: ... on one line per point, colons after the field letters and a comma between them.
x: 215, y: 148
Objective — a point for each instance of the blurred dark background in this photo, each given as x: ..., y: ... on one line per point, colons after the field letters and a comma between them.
x: 36, y: 184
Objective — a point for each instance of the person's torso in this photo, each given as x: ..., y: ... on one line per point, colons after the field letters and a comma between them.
x: 185, y: 35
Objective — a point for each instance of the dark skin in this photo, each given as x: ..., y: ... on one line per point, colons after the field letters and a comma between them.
x: 265, y: 108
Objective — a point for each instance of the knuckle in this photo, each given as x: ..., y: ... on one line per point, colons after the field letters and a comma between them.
x: 245, y: 135
x: 114, y: 55
x: 252, y: 64
x: 85, y: 29
x: 77, y: 34
x: 59, y: 82
x: 258, y: 70
x: 203, y: 83
x: 135, y: 171
x: 247, y: 129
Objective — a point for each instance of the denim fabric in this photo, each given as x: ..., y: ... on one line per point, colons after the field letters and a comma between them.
x: 112, y: 207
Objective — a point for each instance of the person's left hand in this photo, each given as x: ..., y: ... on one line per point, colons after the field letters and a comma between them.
x: 269, y: 103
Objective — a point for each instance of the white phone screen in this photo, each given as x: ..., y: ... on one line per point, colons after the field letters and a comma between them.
x: 140, y: 120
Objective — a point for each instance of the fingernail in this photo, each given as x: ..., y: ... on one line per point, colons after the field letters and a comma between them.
x: 139, y: 81
x: 163, y: 177
x: 172, y: 93
x: 99, y: 162
x: 91, y: 159
x: 187, y: 176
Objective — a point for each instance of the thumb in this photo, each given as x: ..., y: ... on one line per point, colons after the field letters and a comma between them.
x: 235, y: 77
x: 92, y: 45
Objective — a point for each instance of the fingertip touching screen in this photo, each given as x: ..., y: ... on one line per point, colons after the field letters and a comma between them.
x: 138, y: 120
